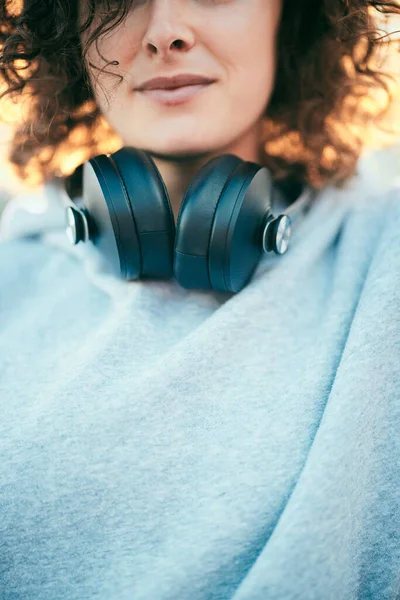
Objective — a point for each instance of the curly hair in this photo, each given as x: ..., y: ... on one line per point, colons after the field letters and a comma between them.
x: 325, y: 67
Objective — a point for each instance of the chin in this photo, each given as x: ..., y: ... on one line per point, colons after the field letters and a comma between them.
x: 175, y: 146
x: 177, y: 155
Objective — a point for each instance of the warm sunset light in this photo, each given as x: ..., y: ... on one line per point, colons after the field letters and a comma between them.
x: 70, y: 155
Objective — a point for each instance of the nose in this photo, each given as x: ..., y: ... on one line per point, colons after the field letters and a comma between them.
x: 168, y: 28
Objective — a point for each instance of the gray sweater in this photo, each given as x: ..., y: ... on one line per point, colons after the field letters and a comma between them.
x: 158, y: 443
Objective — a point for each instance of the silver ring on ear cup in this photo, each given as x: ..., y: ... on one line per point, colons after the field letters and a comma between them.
x: 277, y: 233
x: 77, y: 227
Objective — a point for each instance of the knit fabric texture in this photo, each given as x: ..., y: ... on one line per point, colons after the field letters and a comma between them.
x: 159, y: 443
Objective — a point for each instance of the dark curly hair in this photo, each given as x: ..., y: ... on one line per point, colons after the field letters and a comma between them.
x: 326, y: 65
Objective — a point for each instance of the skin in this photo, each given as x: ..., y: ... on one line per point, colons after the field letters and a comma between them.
x: 233, y: 41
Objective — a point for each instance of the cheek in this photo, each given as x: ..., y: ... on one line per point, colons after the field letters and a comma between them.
x: 249, y: 48
x: 115, y: 46
x: 252, y: 67
x: 122, y: 45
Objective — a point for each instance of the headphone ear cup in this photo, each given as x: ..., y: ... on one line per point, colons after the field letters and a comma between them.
x: 150, y: 209
x: 218, y: 243
x: 195, y: 221
x: 130, y: 213
x: 236, y: 237
x: 113, y: 231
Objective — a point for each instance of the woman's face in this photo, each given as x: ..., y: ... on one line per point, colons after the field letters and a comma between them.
x: 230, y: 41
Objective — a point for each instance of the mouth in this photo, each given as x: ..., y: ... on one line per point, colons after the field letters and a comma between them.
x: 174, y: 96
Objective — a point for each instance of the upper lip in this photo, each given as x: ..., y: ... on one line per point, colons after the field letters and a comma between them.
x: 174, y: 81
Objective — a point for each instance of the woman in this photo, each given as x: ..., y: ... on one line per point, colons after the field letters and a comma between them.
x: 165, y: 442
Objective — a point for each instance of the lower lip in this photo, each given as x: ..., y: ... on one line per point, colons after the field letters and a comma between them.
x: 177, y: 95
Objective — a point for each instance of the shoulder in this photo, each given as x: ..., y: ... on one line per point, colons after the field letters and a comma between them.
x: 370, y: 234
x: 371, y: 198
x: 36, y: 260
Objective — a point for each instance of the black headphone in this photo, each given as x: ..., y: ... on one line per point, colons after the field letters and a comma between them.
x: 224, y: 226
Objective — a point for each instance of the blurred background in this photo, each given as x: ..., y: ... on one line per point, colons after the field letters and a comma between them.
x: 384, y: 167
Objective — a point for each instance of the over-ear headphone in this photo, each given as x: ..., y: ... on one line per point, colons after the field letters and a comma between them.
x: 224, y: 226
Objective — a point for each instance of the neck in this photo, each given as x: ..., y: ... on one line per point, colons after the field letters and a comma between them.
x: 178, y: 171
